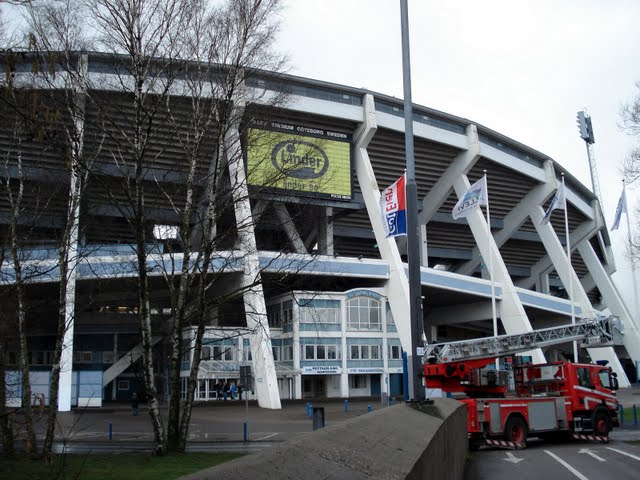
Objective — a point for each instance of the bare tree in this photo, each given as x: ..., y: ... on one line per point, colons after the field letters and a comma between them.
x: 630, y: 123
x: 14, y: 193
x: 165, y: 52
x: 56, y: 30
x: 222, y: 43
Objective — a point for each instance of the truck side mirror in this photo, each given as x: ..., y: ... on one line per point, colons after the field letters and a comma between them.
x: 614, y: 381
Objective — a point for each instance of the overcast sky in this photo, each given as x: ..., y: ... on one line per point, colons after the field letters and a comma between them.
x: 521, y: 67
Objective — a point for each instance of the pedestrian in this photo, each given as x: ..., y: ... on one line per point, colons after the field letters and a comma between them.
x: 134, y: 404
x: 225, y: 391
x: 232, y: 390
x: 239, y: 392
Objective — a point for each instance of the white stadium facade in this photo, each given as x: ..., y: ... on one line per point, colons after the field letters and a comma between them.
x: 330, y: 298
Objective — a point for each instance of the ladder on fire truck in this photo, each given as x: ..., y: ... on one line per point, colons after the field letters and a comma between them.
x: 590, y: 332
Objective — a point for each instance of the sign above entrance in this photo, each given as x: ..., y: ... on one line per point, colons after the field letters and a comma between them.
x: 322, y: 370
x: 365, y: 370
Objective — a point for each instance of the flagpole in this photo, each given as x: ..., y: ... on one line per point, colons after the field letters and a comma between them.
x: 633, y: 263
x: 570, y: 292
x: 493, y: 285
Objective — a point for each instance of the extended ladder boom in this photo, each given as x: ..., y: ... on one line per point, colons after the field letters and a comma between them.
x: 591, y: 332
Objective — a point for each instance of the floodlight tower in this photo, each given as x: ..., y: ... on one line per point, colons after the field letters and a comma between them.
x: 586, y: 133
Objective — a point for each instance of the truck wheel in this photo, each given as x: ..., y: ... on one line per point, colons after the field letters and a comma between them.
x: 601, y: 421
x: 516, y: 430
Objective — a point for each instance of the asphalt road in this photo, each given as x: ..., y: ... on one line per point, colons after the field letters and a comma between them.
x: 542, y: 460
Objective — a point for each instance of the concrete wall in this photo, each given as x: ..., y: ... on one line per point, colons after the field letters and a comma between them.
x: 398, y: 442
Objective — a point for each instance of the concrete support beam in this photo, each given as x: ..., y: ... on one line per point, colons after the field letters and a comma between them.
x: 584, y: 231
x: 439, y: 193
x: 72, y: 242
x: 121, y: 364
x: 398, y: 284
x: 325, y: 235
x: 461, y: 165
x: 572, y: 283
x: 264, y: 369
x: 516, y: 217
x: 560, y: 262
x: 512, y: 314
x: 289, y: 227
x: 616, y: 306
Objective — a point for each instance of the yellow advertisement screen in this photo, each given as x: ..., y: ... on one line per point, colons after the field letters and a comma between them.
x: 299, y: 160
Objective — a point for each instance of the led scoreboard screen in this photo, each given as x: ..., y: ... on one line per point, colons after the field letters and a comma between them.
x: 299, y: 160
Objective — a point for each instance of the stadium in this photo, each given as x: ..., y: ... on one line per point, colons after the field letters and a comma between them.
x: 304, y: 270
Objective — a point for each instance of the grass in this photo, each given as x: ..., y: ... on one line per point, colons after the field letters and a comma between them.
x: 125, y: 466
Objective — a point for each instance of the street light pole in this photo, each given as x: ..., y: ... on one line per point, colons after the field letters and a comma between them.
x: 413, y: 229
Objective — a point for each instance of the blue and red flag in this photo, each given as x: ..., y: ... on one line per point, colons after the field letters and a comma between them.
x: 393, y: 208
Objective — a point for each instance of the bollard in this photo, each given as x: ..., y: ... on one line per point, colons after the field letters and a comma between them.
x: 346, y: 405
x: 369, y: 408
x: 318, y: 417
x: 110, y: 430
x: 621, y: 415
x: 245, y: 432
x: 309, y: 410
x: 635, y: 416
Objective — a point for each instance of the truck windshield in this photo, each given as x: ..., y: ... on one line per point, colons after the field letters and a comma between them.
x: 605, y: 379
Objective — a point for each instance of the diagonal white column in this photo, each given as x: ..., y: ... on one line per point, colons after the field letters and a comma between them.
x: 568, y: 276
x: 461, y: 165
x: 614, y: 302
x: 264, y: 370
x: 432, y: 201
x: 398, y: 284
x: 560, y: 262
x: 289, y: 227
x: 516, y: 217
x: 542, y: 266
x: 512, y: 313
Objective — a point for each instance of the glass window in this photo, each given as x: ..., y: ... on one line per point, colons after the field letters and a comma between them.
x: 320, y: 311
x: 395, y: 352
x: 287, y: 312
x: 364, y: 314
x: 320, y: 352
x: 584, y: 379
x: 355, y: 352
x: 309, y: 352
x: 375, y: 352
x: 357, y: 381
x: 332, y: 352
x: 205, y: 353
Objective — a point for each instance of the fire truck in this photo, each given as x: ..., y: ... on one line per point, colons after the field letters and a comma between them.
x: 552, y: 399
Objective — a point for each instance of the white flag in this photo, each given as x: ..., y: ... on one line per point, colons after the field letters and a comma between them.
x: 557, y: 202
x: 620, y: 209
x: 475, y: 196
